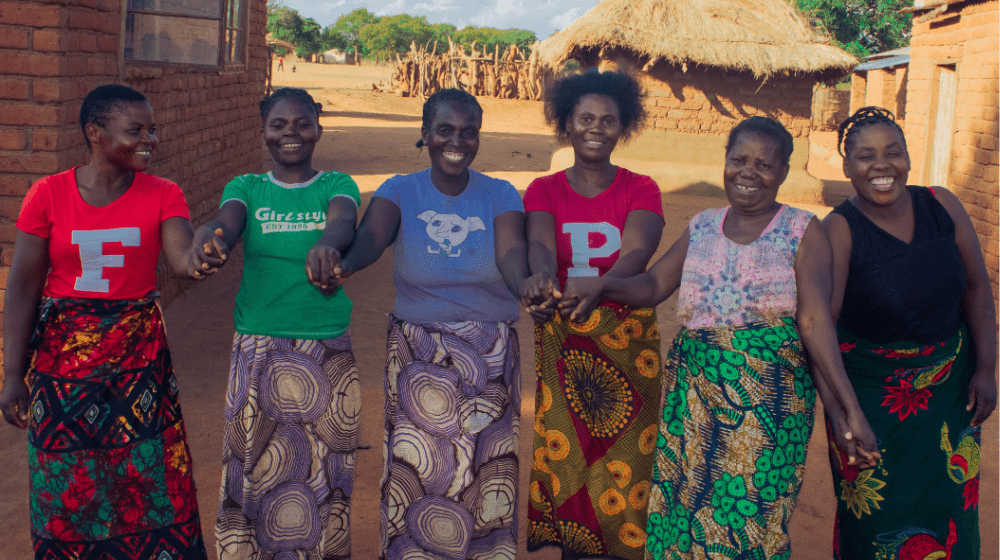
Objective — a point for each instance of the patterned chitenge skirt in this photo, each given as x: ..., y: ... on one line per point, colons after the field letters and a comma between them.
x: 595, y: 430
x: 731, y: 453
x: 922, y: 500
x: 449, y: 485
x: 293, y: 411
x: 110, y: 468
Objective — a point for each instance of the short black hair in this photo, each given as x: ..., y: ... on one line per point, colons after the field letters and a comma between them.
x: 296, y: 94
x: 101, y: 101
x: 444, y: 96
x: 860, y: 119
x: 565, y: 93
x: 766, y: 127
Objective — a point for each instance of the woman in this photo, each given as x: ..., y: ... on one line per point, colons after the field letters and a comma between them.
x: 293, y: 405
x: 919, y: 341
x: 109, y: 464
x: 594, y: 434
x: 449, y: 485
x: 737, y: 413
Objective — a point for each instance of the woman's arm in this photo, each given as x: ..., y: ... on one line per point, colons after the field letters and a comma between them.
x: 541, y: 289
x: 977, y: 306
x: 813, y: 284
x: 839, y: 233
x: 323, y: 258
x: 213, y: 241
x: 642, y: 290
x: 25, y: 281
x: 377, y: 231
x: 511, y: 250
x: 176, y: 235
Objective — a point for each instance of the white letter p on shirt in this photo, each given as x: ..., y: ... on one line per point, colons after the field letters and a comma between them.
x: 579, y: 239
x: 93, y: 261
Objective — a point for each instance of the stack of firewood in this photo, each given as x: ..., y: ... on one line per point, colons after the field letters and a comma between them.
x: 508, y: 75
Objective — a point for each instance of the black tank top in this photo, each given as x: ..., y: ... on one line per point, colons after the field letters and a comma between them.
x: 898, y: 291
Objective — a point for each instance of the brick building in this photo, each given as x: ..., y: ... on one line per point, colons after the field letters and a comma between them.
x: 881, y: 82
x: 201, y: 64
x: 952, y: 109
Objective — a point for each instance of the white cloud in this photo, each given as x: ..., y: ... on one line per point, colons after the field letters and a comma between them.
x: 562, y: 20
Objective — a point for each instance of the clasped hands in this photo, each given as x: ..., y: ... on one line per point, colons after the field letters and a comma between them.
x: 542, y: 298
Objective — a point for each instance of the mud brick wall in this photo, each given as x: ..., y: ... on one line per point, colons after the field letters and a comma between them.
x: 711, y: 101
x: 830, y: 108
x: 53, y: 52
x: 965, y: 35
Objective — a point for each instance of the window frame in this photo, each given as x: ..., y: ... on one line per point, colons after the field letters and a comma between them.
x: 223, y: 61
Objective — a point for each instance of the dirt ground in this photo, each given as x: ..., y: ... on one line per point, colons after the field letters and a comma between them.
x: 371, y: 137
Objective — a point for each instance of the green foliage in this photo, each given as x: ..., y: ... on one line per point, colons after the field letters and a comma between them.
x: 861, y: 27
x: 491, y: 37
x: 348, y: 27
x: 286, y: 24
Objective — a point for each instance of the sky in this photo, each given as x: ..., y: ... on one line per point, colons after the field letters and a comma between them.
x: 541, y: 16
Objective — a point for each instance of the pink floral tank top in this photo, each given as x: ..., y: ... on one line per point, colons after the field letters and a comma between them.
x: 727, y: 284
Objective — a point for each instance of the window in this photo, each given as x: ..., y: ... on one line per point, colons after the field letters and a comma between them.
x: 201, y: 32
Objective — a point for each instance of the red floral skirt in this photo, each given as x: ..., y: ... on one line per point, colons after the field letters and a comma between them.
x: 110, y: 468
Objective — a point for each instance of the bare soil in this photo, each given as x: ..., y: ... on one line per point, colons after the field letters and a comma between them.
x: 371, y: 137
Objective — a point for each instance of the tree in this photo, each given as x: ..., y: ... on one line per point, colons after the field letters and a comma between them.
x: 349, y: 27
x: 393, y: 34
x: 489, y: 37
x: 861, y: 27
x: 286, y: 24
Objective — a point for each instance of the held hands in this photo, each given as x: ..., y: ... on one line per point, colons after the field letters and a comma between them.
x: 325, y: 268
x: 855, y: 436
x: 14, y: 401
x: 581, y: 297
x: 982, y: 396
x: 208, y: 252
x: 540, y: 296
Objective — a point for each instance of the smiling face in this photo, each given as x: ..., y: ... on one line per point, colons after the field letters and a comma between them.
x: 753, y: 173
x: 594, y: 127
x: 878, y: 164
x: 291, y: 132
x: 128, y: 137
x: 452, y: 138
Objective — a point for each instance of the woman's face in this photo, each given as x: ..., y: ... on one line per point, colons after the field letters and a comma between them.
x: 128, y: 138
x: 753, y: 173
x: 452, y: 138
x: 291, y: 132
x: 878, y: 164
x: 594, y: 127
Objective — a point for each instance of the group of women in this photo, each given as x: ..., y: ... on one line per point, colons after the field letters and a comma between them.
x: 884, y: 309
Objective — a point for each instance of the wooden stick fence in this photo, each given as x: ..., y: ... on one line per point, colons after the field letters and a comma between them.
x: 509, y: 75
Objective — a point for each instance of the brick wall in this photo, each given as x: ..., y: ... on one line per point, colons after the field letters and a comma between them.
x: 52, y: 53
x: 830, y: 108
x: 712, y: 101
x: 966, y: 35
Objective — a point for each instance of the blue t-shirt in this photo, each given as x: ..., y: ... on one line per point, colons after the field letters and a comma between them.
x: 445, y: 259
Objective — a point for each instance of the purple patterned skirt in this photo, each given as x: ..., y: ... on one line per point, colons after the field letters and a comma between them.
x: 449, y: 484
x: 293, y: 410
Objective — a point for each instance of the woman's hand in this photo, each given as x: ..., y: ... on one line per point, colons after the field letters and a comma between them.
x: 208, y: 252
x: 982, y: 395
x: 540, y: 296
x: 322, y: 263
x: 854, y: 435
x: 581, y: 297
x: 14, y: 401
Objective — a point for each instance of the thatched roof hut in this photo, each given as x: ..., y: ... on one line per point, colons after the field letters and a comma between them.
x: 764, y: 38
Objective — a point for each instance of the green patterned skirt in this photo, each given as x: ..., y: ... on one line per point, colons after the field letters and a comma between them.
x: 731, y: 451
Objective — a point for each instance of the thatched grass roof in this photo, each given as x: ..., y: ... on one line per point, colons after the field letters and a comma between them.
x: 765, y: 37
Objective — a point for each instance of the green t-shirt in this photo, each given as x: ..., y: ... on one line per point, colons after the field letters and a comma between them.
x: 283, y: 222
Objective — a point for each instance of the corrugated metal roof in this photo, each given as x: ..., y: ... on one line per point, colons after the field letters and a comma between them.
x: 883, y: 63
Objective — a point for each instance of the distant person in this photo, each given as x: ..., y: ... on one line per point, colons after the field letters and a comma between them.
x: 293, y: 405
x: 452, y: 380
x: 293, y: 68
x: 598, y: 378
x: 918, y: 336
x: 754, y: 281
x: 108, y: 460
x: 281, y: 63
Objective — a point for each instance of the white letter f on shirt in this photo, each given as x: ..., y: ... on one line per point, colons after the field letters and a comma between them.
x: 92, y: 257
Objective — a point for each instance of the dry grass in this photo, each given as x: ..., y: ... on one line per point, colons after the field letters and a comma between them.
x: 765, y: 37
